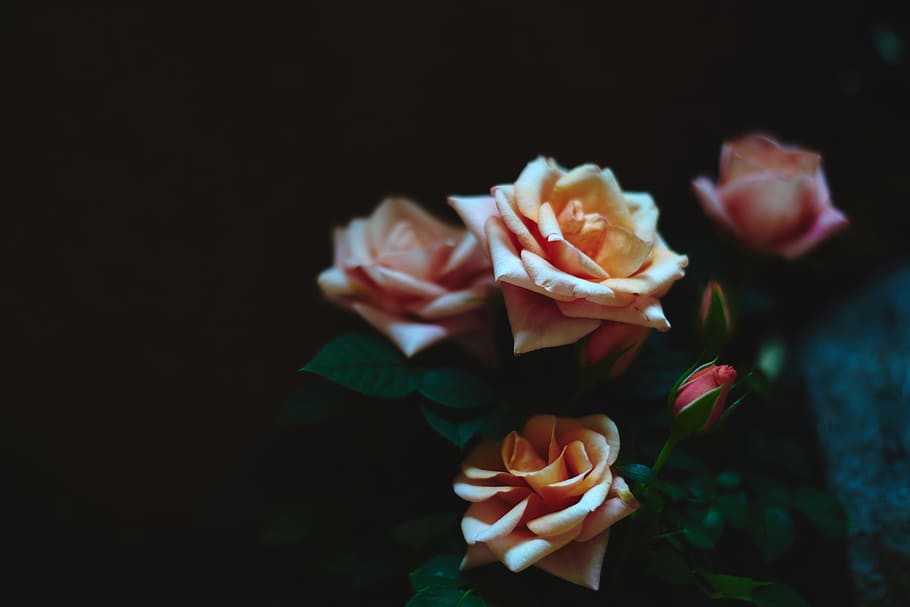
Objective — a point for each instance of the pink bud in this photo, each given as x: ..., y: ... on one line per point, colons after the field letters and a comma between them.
x: 700, y: 383
x: 706, y: 298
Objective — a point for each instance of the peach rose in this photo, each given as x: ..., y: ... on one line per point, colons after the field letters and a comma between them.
x: 545, y: 497
x: 572, y: 253
x: 413, y: 277
x: 773, y: 197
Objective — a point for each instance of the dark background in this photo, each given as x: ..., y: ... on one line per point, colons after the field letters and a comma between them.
x: 176, y: 172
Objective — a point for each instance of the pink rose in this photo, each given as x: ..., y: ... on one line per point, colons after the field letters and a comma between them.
x: 700, y: 383
x: 413, y: 277
x: 545, y: 497
x: 572, y: 253
x: 773, y: 197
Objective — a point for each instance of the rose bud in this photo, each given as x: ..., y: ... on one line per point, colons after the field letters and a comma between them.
x: 714, y: 313
x: 700, y: 399
x: 773, y: 197
x: 616, y: 344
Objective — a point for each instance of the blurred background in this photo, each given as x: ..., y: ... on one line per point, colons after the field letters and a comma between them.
x: 176, y: 173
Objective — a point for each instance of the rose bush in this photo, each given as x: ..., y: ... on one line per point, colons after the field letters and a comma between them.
x: 413, y: 277
x: 773, y: 197
x: 572, y: 253
x: 545, y: 497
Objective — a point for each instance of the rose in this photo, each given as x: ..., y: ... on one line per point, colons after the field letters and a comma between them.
x: 709, y: 382
x: 545, y: 497
x: 413, y: 277
x: 773, y: 197
x: 572, y: 253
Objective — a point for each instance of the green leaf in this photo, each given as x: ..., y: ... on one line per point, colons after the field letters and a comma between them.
x: 823, y: 510
x: 671, y: 567
x: 457, y: 432
x: 317, y: 400
x: 436, y: 596
x: 774, y: 534
x: 367, y: 364
x: 699, y: 536
x: 439, y: 571
x: 732, y: 586
x: 643, y: 474
x: 729, y: 479
x: 695, y: 415
x: 777, y: 595
x: 452, y: 387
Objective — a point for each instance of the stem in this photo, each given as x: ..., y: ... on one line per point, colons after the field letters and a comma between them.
x: 664, y: 454
x: 466, y: 594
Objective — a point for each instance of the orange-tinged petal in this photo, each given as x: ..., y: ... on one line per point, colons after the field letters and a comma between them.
x: 622, y: 252
x: 514, y: 222
x: 620, y: 504
x: 491, y: 519
x: 579, y: 562
x: 598, y: 191
x: 561, y: 521
x: 534, y: 185
x: 521, y: 548
x: 537, y: 323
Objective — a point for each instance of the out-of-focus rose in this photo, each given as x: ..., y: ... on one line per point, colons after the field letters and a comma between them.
x: 773, y: 197
x: 545, y: 497
x: 712, y: 382
x: 413, y: 277
x: 611, y: 339
x: 572, y: 252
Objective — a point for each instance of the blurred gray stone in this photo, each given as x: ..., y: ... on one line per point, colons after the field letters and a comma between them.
x: 856, y: 362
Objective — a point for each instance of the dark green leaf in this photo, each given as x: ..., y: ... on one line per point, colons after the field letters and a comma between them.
x: 823, y: 510
x: 732, y: 586
x: 777, y: 595
x: 643, y: 474
x: 437, y: 596
x: 729, y: 479
x: 699, y: 536
x: 452, y: 387
x: 439, y: 571
x: 702, y: 489
x: 457, y: 432
x: 671, y: 567
x: 367, y: 364
x: 774, y: 535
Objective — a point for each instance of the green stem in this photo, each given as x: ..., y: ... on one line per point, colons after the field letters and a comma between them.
x: 664, y: 454
x: 466, y: 594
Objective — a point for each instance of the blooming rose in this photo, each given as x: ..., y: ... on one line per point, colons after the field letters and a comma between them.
x: 413, y: 277
x: 701, y: 382
x: 545, y: 497
x: 773, y: 197
x: 572, y: 253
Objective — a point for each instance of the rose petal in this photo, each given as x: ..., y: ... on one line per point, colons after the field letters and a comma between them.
x: 644, y: 213
x: 410, y: 337
x: 622, y: 252
x: 465, y: 261
x: 507, y: 265
x: 830, y: 222
x: 598, y: 191
x: 484, y: 462
x: 450, y: 304
x: 470, y: 491
x: 475, y: 556
x: 606, y: 427
x: 424, y: 226
x: 767, y: 209
x: 569, y: 258
x: 579, y: 562
x: 521, y: 548
x: 539, y: 431
x: 534, y: 185
x: 423, y: 263
x: 513, y: 222
x: 645, y: 311
x: 562, y: 286
x: 519, y: 455
x: 342, y: 250
x: 399, y: 283
x: 657, y: 275
x: 611, y: 338
x: 711, y: 205
x: 556, y: 523
x: 474, y: 212
x: 491, y: 519
x: 759, y: 154
x: 358, y: 244
x: 537, y: 323
x: 618, y: 506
